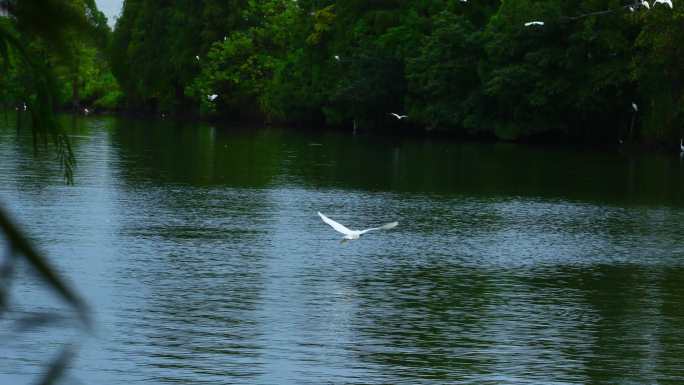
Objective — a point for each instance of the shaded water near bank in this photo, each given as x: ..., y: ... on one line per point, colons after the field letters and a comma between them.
x: 201, y: 254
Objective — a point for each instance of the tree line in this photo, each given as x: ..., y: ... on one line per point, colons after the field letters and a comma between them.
x: 586, y: 70
x: 472, y: 68
x: 68, y: 40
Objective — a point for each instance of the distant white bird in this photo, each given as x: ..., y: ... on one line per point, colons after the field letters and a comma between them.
x: 197, y: 57
x: 25, y: 107
x: 635, y: 107
x: 644, y: 3
x: 681, y: 145
x: 400, y: 117
x: 337, y: 57
x: 529, y: 23
x: 212, y: 97
x: 353, y: 234
x: 86, y: 111
x: 668, y: 2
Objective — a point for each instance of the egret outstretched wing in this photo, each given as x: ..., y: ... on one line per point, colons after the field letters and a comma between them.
x: 337, y: 226
x: 387, y: 226
x: 666, y: 2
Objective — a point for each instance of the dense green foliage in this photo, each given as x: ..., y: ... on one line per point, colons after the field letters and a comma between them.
x: 469, y: 67
x: 73, y: 55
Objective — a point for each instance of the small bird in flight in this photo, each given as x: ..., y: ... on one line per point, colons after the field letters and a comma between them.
x: 529, y: 23
x: 400, y: 117
x: 212, y: 97
x: 353, y: 234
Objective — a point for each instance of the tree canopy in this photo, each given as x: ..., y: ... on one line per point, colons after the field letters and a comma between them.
x: 472, y: 68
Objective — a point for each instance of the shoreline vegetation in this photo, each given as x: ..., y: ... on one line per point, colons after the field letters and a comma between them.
x: 562, y: 71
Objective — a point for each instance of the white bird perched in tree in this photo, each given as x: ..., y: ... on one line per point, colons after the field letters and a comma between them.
x: 212, y: 97
x: 197, y: 57
x: 337, y: 57
x: 645, y: 3
x: 681, y: 145
x: 353, y: 234
x: 400, y: 117
x: 668, y: 2
x: 635, y: 107
x: 529, y: 23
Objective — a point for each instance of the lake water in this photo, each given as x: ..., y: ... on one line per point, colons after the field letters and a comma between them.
x: 202, y: 257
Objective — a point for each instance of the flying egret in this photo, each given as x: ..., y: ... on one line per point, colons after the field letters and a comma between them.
x: 353, y: 234
x: 400, y: 117
x: 529, y: 23
x: 212, y: 97
x: 635, y: 107
x: 668, y: 2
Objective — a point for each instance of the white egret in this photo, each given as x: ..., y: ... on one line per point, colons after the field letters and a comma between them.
x: 681, y: 145
x: 644, y: 3
x: 529, y: 23
x: 635, y: 107
x: 212, y: 97
x: 197, y: 57
x: 353, y: 234
x: 400, y: 117
x: 337, y: 57
x: 668, y: 2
